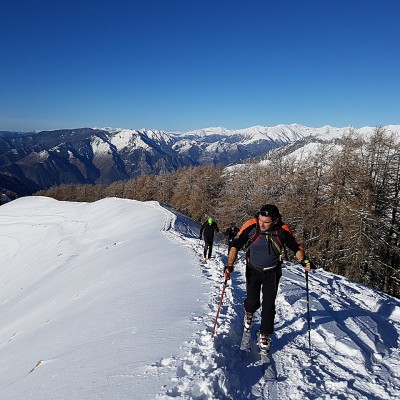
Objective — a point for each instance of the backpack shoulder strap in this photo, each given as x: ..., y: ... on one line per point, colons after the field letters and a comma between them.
x: 282, y: 238
x: 247, y: 225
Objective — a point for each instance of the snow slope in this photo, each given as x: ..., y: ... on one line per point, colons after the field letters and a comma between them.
x: 109, y: 300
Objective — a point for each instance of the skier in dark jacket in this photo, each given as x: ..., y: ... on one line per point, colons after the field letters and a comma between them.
x: 231, y: 233
x: 207, y: 230
x: 264, y: 237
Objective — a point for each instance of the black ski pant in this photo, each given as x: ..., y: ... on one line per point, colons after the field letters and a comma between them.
x: 230, y: 242
x: 265, y: 282
x: 208, y: 246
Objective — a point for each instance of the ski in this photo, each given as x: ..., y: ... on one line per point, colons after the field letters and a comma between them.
x: 269, y: 375
x: 269, y: 371
x: 266, y: 363
x: 245, y: 344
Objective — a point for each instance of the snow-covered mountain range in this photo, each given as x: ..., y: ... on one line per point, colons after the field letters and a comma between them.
x: 32, y: 161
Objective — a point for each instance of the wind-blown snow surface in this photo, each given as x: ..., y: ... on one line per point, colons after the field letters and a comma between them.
x: 109, y: 300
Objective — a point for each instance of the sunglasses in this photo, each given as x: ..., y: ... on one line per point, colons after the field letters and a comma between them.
x: 264, y: 213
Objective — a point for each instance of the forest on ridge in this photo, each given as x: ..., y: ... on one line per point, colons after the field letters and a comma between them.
x: 341, y: 201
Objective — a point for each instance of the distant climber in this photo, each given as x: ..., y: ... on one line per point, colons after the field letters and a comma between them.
x: 207, y: 231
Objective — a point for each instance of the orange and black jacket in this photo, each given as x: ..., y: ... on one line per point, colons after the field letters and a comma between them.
x: 264, y: 249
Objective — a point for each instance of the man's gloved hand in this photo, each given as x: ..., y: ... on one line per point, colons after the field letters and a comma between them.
x: 227, y: 272
x: 307, y: 264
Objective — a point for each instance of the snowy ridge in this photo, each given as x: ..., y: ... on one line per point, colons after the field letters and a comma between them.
x: 219, y: 139
x: 282, y: 132
x: 80, y: 299
x: 109, y: 300
x: 125, y: 138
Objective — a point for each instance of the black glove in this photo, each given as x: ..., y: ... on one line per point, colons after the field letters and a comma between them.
x: 306, y: 261
x: 229, y: 268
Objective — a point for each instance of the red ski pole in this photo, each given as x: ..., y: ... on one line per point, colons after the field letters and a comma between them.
x: 219, y: 307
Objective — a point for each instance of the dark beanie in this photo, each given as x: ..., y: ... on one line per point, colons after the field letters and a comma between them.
x: 272, y: 211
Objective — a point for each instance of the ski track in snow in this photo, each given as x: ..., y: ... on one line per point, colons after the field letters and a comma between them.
x: 355, y: 348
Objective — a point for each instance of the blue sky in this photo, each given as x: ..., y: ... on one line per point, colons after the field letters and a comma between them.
x: 179, y: 65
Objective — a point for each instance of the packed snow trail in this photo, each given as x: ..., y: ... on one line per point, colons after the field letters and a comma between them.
x: 354, y: 336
